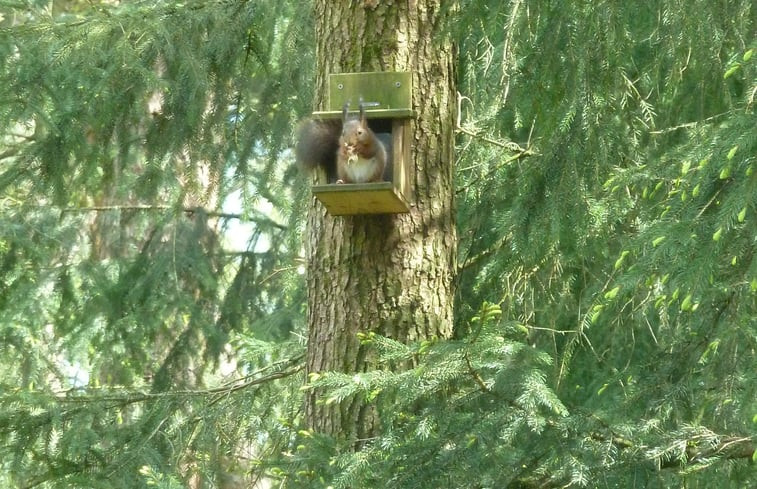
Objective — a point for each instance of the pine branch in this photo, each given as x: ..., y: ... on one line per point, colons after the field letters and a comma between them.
x: 187, y: 210
x: 687, y: 125
x: 234, y: 387
x: 729, y: 448
x: 521, y: 153
x: 473, y: 260
x: 509, y: 145
x: 476, y: 376
x: 126, y: 398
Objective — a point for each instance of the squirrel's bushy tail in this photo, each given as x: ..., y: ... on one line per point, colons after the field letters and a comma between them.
x: 317, y: 144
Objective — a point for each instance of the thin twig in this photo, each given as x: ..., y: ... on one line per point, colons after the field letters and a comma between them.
x: 187, y: 210
x: 512, y: 146
x: 475, y: 375
x: 470, y: 261
x: 687, y: 124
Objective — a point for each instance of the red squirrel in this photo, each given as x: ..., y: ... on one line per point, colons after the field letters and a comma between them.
x: 352, y: 154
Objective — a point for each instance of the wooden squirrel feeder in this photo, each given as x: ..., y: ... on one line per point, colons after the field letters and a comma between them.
x: 386, y: 97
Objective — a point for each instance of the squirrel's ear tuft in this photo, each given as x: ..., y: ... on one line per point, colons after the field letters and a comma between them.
x: 345, y: 111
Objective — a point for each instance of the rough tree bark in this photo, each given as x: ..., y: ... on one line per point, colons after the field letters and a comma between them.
x: 389, y: 274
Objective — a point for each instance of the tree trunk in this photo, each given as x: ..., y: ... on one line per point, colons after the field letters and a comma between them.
x: 389, y: 274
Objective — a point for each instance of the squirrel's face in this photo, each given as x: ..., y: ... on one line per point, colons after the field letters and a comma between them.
x: 353, y: 132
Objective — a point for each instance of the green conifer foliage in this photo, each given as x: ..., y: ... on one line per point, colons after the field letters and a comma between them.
x: 617, y: 229
x: 123, y: 130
